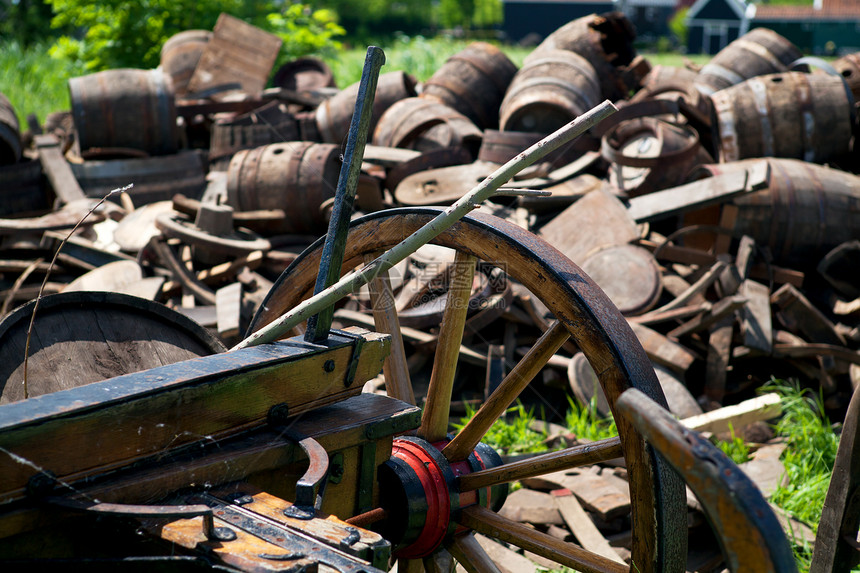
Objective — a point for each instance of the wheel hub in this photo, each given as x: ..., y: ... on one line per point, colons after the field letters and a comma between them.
x: 419, y: 490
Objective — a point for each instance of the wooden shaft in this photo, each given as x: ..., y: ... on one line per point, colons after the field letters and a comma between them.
x: 424, y: 235
x: 575, y: 456
x: 319, y: 324
x: 493, y: 525
x: 398, y: 383
x: 434, y: 423
x: 469, y: 553
x: 513, y: 384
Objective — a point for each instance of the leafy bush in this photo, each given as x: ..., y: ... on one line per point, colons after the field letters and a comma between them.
x: 130, y: 33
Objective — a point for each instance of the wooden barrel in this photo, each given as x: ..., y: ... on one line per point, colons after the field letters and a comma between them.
x: 125, y: 108
x: 304, y: 74
x: 648, y: 154
x: 605, y: 40
x: 849, y: 67
x: 334, y: 115
x: 154, y: 178
x: 180, y: 54
x: 10, y: 138
x: 424, y: 125
x: 806, y: 211
x: 548, y: 92
x: 297, y: 177
x: 23, y: 190
x: 270, y: 123
x: 795, y: 115
x: 759, y: 52
x: 84, y: 337
x: 672, y: 82
x: 473, y: 81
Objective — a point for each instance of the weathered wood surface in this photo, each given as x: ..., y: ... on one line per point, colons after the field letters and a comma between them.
x: 237, y: 52
x: 137, y: 415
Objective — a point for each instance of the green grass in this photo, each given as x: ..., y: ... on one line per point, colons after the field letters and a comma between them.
x: 736, y: 448
x: 511, y: 434
x: 33, y: 81
x: 586, y: 423
x: 808, y: 459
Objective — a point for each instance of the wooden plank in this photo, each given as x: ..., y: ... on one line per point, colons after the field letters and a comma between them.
x: 237, y: 52
x: 698, y: 194
x: 57, y: 169
x: 728, y: 218
x: 717, y: 313
x: 228, y: 306
x: 756, y: 326
x: 801, y: 316
x: 582, y: 526
x: 600, y: 220
x: 662, y: 350
x: 758, y: 409
x: 600, y: 494
x: 717, y: 363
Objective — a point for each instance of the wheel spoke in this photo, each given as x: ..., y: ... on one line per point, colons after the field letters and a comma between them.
x: 513, y: 384
x: 398, y: 383
x: 493, y: 525
x: 576, y: 456
x: 440, y: 561
x: 434, y: 424
x: 469, y: 553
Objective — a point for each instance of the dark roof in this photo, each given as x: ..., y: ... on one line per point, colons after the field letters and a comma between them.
x: 830, y: 10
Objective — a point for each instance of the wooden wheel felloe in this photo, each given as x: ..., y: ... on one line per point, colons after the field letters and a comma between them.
x: 584, y: 314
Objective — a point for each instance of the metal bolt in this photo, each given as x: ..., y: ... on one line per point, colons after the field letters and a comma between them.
x: 329, y: 366
x: 278, y: 414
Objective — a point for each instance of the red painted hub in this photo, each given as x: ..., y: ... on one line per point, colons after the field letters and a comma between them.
x: 418, y: 488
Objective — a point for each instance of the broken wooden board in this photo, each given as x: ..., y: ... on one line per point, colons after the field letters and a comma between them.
x: 597, y: 220
x: 762, y: 408
x: 237, y: 52
x: 529, y: 506
x: 582, y: 526
x: 800, y: 316
x: 57, y: 169
x: 702, y: 193
x: 600, y: 492
x: 756, y: 326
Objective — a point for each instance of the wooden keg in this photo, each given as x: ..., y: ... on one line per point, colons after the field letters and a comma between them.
x: 334, y: 115
x: 795, y: 115
x: 548, y: 92
x: 806, y: 211
x: 424, y: 125
x: 605, y: 40
x: 304, y: 74
x: 180, y: 54
x: 473, y: 82
x: 10, y: 138
x: 759, y: 52
x: 154, y: 178
x: 84, y: 337
x: 849, y: 67
x: 125, y: 108
x: 297, y: 176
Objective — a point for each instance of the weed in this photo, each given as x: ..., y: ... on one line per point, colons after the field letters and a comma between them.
x: 736, y: 448
x: 586, y: 423
x: 511, y: 434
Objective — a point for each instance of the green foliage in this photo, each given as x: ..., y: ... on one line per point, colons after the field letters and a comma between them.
x: 373, y: 21
x: 130, y: 33
x: 585, y: 422
x: 470, y: 14
x: 25, y: 21
x: 736, y: 448
x: 678, y: 25
x: 511, y: 434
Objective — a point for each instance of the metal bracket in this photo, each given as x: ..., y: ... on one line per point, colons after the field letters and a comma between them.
x: 311, y: 486
x: 157, y: 511
x: 358, y: 345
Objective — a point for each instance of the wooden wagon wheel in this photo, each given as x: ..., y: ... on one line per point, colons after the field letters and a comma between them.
x: 583, y: 313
